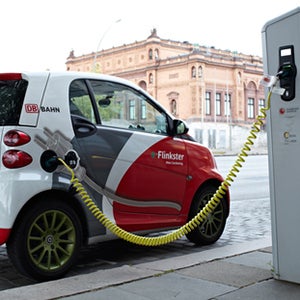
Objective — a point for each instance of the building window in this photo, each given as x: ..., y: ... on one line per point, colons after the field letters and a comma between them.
x: 173, y: 107
x: 227, y: 104
x: 261, y: 104
x: 207, y: 103
x: 193, y: 72
x: 132, y: 109
x: 143, y: 85
x: 218, y: 104
x: 143, y: 110
x: 200, y: 72
x: 212, y: 138
x: 199, y: 135
x: 150, y: 54
x: 250, y: 112
x: 156, y: 54
x: 150, y: 78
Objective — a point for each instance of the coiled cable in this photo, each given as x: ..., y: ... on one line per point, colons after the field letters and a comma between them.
x: 194, y: 222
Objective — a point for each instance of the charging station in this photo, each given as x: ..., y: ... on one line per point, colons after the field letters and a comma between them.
x: 281, y: 56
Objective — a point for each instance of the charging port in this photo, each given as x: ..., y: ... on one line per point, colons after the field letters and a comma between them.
x: 49, y: 161
x: 72, y: 159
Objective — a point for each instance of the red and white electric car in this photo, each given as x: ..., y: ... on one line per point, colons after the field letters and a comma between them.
x: 135, y: 160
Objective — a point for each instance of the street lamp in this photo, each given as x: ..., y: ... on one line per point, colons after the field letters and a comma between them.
x: 99, y: 44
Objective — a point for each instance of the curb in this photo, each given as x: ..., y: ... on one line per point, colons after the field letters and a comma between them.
x: 81, y: 284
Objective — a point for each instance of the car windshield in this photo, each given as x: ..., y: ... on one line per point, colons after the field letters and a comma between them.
x: 12, y: 93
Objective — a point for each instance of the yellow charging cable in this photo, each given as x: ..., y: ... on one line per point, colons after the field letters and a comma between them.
x: 199, y: 218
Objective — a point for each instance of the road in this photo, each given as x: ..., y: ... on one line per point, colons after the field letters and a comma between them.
x: 249, y: 220
x: 250, y: 199
x: 252, y: 181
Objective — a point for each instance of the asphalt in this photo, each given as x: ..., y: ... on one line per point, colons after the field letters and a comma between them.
x: 240, y: 271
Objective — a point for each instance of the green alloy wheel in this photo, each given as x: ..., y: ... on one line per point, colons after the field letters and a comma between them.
x: 46, y: 240
x: 209, y: 231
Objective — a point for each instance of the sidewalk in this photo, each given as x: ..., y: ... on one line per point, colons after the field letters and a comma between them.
x: 229, y: 272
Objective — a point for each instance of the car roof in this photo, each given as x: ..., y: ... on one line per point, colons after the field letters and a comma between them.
x: 71, y: 75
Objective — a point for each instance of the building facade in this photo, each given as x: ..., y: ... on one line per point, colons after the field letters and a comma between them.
x: 213, y: 90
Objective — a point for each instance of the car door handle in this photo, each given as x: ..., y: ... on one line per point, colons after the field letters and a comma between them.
x: 83, y: 127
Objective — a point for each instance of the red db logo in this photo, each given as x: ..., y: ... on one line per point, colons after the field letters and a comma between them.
x: 31, y: 108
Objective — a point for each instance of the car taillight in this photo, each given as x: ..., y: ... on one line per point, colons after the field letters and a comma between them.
x: 16, y: 138
x: 13, y: 159
x: 10, y: 76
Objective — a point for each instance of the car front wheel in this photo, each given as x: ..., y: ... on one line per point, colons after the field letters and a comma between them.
x: 46, y: 240
x: 210, y: 230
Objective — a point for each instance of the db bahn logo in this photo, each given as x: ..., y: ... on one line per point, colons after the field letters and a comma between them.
x: 31, y: 108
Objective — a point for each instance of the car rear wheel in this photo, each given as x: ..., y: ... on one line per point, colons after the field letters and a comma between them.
x: 210, y: 230
x: 46, y: 240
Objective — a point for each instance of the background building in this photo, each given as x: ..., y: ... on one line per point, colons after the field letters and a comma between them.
x: 216, y: 91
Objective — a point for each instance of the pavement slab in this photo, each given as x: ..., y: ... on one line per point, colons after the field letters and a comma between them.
x: 267, y: 290
x: 227, y: 273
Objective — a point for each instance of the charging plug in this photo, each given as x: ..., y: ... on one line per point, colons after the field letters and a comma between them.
x: 285, y: 72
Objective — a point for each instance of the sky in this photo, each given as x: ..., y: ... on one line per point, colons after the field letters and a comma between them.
x: 38, y: 35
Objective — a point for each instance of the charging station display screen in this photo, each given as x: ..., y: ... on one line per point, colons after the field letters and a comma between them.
x: 286, y: 52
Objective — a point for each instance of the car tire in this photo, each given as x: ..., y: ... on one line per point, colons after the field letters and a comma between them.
x: 46, y: 240
x: 210, y: 230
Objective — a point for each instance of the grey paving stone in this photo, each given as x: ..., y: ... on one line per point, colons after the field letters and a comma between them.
x: 227, y: 273
x: 255, y: 259
x: 173, y: 286
x: 267, y: 290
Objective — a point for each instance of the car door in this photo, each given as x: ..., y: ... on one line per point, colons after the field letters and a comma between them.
x: 124, y: 144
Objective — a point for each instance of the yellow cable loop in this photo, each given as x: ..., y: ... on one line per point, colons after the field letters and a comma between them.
x: 193, y: 223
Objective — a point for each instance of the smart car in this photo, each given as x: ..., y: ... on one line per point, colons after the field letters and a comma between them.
x: 135, y: 160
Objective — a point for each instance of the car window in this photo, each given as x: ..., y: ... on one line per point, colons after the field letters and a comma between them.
x: 80, y: 101
x: 123, y: 107
x: 12, y: 93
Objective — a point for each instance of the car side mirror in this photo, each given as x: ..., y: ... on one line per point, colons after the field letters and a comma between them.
x: 179, y: 127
